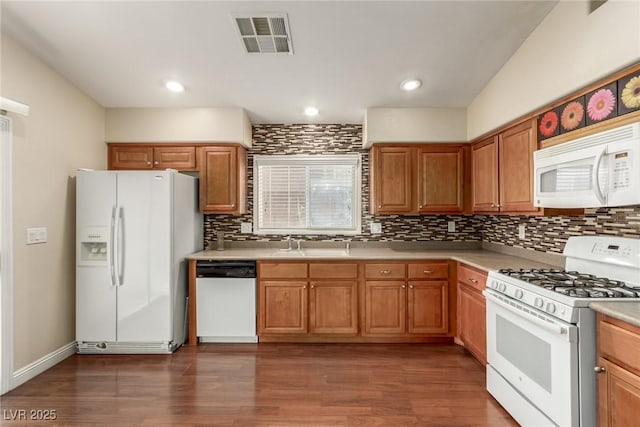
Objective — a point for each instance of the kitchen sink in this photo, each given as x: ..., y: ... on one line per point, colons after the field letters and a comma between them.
x: 310, y: 252
x: 325, y: 252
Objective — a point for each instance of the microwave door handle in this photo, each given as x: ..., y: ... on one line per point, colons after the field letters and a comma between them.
x: 596, y: 177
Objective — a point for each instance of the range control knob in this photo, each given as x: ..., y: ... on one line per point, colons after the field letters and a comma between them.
x: 551, y: 307
x: 502, y: 287
x: 539, y: 302
x: 519, y: 293
x: 494, y: 284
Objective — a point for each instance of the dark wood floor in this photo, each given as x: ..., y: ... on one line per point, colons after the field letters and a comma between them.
x: 266, y: 385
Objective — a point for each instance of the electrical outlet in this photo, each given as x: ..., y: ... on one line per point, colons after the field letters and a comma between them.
x: 36, y: 235
x: 521, y: 231
x: 375, y: 227
x: 451, y: 226
x: 246, y: 227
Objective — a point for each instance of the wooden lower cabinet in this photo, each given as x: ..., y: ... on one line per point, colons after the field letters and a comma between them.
x: 619, y: 377
x: 283, y: 307
x: 472, y: 309
x: 428, y: 307
x: 333, y: 307
x: 385, y: 307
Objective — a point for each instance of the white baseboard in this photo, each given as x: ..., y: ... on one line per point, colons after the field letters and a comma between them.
x: 47, y: 361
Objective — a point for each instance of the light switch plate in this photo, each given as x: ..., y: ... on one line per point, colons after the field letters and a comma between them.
x: 375, y: 227
x: 36, y: 235
x: 451, y: 226
x: 246, y: 227
x: 521, y: 231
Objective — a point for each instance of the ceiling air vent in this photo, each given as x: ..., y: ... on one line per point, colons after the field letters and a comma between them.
x: 265, y: 33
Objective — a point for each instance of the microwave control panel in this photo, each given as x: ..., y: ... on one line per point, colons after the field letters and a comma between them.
x: 621, y: 170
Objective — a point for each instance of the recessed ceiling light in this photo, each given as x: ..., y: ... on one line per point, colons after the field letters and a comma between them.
x: 311, y: 111
x: 411, y: 84
x: 174, y: 86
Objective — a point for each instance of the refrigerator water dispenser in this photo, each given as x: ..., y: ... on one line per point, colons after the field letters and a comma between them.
x: 93, y: 246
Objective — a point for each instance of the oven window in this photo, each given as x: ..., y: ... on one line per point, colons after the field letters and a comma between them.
x: 525, y: 351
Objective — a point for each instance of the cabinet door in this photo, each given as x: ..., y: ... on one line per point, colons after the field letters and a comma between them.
x: 130, y: 157
x: 618, y: 396
x: 221, y: 190
x: 516, y: 147
x: 472, y: 314
x: 428, y: 307
x: 282, y: 307
x: 391, y: 177
x: 385, y: 307
x: 333, y: 307
x: 440, y: 179
x: 484, y: 159
x: 180, y: 158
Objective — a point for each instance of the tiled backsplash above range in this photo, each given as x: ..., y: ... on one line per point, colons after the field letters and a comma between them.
x: 546, y: 234
x: 549, y: 234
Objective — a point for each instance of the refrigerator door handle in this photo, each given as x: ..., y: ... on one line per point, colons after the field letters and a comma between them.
x: 121, y: 246
x: 112, y: 246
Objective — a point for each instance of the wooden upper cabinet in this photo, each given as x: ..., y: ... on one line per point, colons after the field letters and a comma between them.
x: 516, y: 147
x: 418, y: 178
x: 152, y: 156
x: 503, y: 171
x: 484, y: 164
x: 440, y: 179
x: 180, y: 158
x: 223, y: 172
x: 391, y: 180
x: 129, y: 156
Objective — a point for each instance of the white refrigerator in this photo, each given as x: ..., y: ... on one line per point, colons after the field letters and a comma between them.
x: 133, y: 231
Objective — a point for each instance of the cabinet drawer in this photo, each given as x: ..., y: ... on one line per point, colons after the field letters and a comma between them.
x: 472, y: 277
x: 431, y: 270
x: 384, y: 271
x: 278, y: 270
x: 333, y: 271
x: 619, y: 344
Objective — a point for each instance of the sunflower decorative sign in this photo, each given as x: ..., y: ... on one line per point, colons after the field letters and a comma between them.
x: 612, y: 100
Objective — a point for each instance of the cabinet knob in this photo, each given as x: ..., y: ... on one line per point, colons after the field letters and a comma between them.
x: 148, y: 163
x: 313, y: 286
x: 599, y: 369
x: 403, y: 286
x: 420, y: 206
x: 233, y: 205
x: 472, y: 280
x: 410, y: 286
x: 156, y: 162
x: 304, y: 287
x: 385, y: 271
x: 427, y: 271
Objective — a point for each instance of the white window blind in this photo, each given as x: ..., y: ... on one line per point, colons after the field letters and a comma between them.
x: 307, y: 194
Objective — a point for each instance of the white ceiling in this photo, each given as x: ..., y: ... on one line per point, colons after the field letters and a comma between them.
x: 349, y: 55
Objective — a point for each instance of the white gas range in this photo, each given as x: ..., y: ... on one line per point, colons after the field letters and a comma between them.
x: 541, y: 335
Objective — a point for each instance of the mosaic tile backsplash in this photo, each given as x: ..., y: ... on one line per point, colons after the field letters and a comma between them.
x: 546, y: 234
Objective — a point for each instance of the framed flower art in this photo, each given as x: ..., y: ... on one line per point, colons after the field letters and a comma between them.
x: 548, y: 124
x: 572, y: 115
x: 601, y: 104
x: 629, y: 94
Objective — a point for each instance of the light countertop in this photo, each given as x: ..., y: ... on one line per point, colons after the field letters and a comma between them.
x: 622, y: 310
x: 479, y: 258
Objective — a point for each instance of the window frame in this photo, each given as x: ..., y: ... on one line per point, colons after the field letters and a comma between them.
x: 354, y: 159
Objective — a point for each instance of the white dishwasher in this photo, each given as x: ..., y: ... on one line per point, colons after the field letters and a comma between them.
x: 226, y: 301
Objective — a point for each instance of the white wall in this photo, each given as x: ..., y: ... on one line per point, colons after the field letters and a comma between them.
x: 178, y: 125
x: 567, y: 51
x: 64, y: 131
x: 414, y: 125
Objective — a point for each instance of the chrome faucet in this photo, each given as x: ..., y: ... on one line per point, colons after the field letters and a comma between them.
x: 289, y: 243
x: 299, y: 243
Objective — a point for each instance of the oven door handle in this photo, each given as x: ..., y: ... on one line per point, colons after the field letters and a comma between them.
x: 533, y: 318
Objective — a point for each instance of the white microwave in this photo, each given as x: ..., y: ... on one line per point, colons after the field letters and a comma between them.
x: 594, y: 171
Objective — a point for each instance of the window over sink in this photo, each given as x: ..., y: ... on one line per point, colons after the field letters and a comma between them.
x: 307, y: 194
